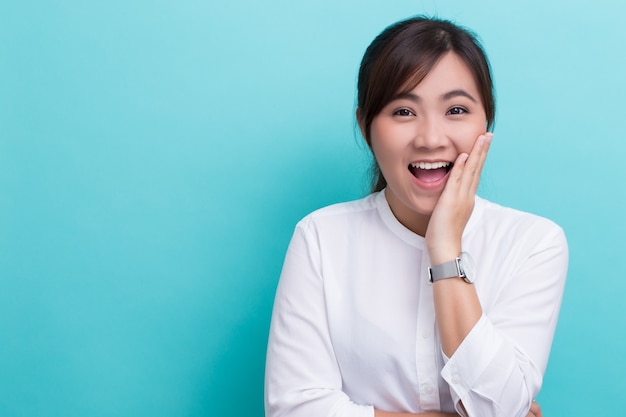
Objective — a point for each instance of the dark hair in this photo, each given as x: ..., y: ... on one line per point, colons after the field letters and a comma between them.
x: 399, y: 59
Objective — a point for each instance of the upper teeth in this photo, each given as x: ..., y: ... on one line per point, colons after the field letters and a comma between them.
x: 430, y: 165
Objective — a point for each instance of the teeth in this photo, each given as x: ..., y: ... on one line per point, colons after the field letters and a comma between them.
x: 430, y: 165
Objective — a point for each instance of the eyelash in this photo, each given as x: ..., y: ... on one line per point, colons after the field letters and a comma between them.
x: 463, y: 110
x: 406, y: 113
x: 454, y: 111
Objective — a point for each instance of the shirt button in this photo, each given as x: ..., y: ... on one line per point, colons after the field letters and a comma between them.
x: 425, y: 335
x: 428, y: 389
x: 456, y: 379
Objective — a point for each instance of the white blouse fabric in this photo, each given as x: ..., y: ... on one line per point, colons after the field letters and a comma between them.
x: 353, y: 325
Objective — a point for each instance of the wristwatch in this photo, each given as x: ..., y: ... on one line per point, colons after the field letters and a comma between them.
x: 461, y: 267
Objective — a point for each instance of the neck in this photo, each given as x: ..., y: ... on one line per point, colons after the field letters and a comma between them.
x: 412, y: 220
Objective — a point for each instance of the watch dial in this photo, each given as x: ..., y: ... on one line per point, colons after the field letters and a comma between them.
x: 467, y: 266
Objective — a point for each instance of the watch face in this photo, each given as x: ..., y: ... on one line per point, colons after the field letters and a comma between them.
x: 467, y: 267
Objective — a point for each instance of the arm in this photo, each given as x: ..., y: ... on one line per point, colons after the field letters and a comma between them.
x: 535, y: 411
x: 302, y: 377
x: 496, y: 358
x: 457, y: 307
x: 432, y: 414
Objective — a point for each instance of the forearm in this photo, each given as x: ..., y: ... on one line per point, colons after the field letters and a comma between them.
x: 458, y: 312
x: 490, y: 375
x: 457, y: 309
x: 378, y: 413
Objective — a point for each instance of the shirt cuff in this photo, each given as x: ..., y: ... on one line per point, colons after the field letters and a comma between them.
x: 474, y: 355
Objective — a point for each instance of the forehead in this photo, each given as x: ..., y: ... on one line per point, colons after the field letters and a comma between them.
x: 450, y: 72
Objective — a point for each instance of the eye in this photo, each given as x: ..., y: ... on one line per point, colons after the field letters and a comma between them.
x: 456, y: 110
x: 403, y: 112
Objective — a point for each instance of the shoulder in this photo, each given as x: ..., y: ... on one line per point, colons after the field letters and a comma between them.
x: 331, y: 229
x: 521, y: 246
x: 340, y: 214
x: 512, y: 224
x: 496, y: 214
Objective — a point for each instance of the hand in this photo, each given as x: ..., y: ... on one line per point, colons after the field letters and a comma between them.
x: 455, y: 205
x: 378, y: 413
x: 535, y: 410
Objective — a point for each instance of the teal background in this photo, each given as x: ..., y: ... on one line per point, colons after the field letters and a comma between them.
x: 156, y: 155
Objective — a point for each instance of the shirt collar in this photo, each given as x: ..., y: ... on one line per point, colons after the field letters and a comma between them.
x: 390, y: 220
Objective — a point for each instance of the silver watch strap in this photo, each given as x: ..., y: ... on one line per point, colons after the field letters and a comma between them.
x: 450, y: 269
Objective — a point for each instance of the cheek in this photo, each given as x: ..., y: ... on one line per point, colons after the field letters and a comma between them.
x: 379, y: 150
x: 388, y: 150
x: 379, y: 141
x: 465, y: 136
x: 387, y: 136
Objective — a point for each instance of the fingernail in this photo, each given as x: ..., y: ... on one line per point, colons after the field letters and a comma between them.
x: 488, y: 137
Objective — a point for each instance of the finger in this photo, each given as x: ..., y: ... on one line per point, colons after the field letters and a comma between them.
x: 478, y: 155
x: 475, y: 162
x: 456, y: 174
x: 535, y: 409
x: 466, y: 170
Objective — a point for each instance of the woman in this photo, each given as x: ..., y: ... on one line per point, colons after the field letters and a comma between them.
x: 379, y: 310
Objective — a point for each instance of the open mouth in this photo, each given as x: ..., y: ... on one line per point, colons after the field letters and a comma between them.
x: 430, y: 171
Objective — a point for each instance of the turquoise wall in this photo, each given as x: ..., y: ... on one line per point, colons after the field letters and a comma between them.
x: 156, y: 155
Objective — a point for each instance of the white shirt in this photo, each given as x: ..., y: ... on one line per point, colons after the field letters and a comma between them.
x: 353, y: 326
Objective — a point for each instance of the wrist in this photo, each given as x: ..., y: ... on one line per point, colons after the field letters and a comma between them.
x: 462, y: 267
x: 443, y: 254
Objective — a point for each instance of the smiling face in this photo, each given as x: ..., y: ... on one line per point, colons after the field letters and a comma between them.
x: 418, y: 135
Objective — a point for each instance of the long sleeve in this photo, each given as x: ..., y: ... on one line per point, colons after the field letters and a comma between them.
x: 353, y: 326
x: 498, y: 369
x: 303, y: 378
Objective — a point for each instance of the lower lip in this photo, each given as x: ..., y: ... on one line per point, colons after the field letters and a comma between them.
x: 435, y: 185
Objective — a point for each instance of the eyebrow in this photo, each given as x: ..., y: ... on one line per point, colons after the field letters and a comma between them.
x: 444, y: 97
x: 457, y: 93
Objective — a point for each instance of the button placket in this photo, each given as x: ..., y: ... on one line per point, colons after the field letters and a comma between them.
x: 426, y: 346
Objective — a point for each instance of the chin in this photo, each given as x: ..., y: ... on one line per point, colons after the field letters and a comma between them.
x: 424, y: 205
x: 407, y: 204
x: 423, y: 210
x: 420, y: 207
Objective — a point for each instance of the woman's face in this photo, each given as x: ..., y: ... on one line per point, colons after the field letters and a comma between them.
x: 418, y: 135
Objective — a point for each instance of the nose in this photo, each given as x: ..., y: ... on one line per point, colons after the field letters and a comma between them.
x: 429, y: 133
